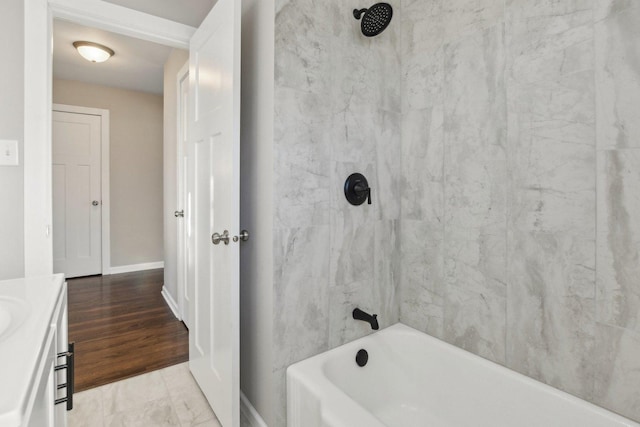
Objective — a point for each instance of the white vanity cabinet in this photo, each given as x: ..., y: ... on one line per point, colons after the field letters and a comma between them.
x: 31, y: 351
x: 44, y: 394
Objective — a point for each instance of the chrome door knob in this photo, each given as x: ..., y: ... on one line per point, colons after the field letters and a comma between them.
x: 216, y: 238
x: 95, y: 203
x: 179, y: 214
x: 244, y: 236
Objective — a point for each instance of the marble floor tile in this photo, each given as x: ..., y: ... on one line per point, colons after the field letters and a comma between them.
x: 157, y: 413
x: 123, y: 395
x: 179, y: 380
x: 193, y: 409
x: 87, y: 410
x: 215, y: 423
x: 168, y: 397
x: 190, y: 404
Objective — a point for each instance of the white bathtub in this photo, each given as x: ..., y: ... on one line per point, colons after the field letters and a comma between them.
x: 414, y: 380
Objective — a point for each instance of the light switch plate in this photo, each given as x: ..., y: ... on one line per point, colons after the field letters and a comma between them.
x: 8, y: 152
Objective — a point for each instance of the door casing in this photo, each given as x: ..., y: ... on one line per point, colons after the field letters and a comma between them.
x: 182, y: 225
x: 38, y: 213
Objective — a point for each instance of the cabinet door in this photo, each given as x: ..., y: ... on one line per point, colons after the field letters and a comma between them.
x: 60, y: 322
x: 42, y: 407
x: 41, y: 410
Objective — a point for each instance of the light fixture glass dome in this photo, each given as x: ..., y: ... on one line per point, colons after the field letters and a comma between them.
x: 93, y: 52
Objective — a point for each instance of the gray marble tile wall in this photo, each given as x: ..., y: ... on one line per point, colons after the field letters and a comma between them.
x: 520, y: 153
x: 617, y: 88
x: 503, y: 144
x: 337, y: 111
x: 454, y: 169
x: 551, y: 224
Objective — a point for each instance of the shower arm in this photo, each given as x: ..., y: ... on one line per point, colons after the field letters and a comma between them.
x: 358, y: 13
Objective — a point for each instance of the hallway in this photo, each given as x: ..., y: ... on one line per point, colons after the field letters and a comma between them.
x: 122, y: 327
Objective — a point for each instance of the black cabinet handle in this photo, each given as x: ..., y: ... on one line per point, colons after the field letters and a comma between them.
x: 69, y: 366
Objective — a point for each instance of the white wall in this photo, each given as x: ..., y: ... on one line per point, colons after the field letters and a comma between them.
x: 256, y: 205
x: 136, y: 167
x: 11, y: 127
x: 174, y: 63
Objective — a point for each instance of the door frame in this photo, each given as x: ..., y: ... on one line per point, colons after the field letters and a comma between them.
x: 105, y: 200
x: 38, y: 33
x: 181, y: 193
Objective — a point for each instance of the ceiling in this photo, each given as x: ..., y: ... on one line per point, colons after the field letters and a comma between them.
x: 189, y: 12
x: 136, y: 65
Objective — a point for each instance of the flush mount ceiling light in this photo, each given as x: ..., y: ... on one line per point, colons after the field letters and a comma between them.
x: 93, y: 52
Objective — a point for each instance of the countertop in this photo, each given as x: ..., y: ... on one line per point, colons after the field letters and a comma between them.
x: 20, y: 350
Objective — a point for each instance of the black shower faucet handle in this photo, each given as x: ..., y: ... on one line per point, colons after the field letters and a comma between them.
x: 362, y: 188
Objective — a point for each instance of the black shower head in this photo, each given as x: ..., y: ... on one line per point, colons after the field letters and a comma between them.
x: 375, y: 20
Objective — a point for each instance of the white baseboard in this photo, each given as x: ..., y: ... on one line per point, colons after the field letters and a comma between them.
x: 136, y: 267
x: 171, y: 303
x: 250, y: 413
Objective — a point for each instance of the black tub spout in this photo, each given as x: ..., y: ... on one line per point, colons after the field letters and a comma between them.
x: 372, y: 319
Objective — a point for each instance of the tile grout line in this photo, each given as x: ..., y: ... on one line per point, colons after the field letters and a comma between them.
x: 594, y: 58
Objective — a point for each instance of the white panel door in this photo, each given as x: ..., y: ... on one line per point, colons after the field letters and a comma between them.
x: 214, y: 148
x: 77, y: 207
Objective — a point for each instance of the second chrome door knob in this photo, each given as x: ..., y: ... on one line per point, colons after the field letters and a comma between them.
x: 244, y: 236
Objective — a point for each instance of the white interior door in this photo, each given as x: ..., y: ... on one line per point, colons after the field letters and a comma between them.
x: 184, y: 298
x: 77, y: 208
x: 214, y: 148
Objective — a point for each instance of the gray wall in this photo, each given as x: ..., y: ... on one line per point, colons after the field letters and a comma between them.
x: 135, y: 166
x: 11, y: 127
x: 337, y: 111
x: 509, y: 154
x: 256, y: 205
x: 174, y: 63
x: 617, y: 94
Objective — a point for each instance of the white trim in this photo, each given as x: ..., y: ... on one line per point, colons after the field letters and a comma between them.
x: 122, y: 20
x: 64, y: 108
x: 181, y: 189
x: 250, y: 413
x: 38, y: 247
x: 171, y: 302
x: 136, y: 267
x: 105, y: 197
x: 38, y: 39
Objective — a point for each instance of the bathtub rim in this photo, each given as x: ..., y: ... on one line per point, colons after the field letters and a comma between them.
x: 310, y: 372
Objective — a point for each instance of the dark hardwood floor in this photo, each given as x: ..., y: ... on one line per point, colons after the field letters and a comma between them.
x: 122, y: 327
